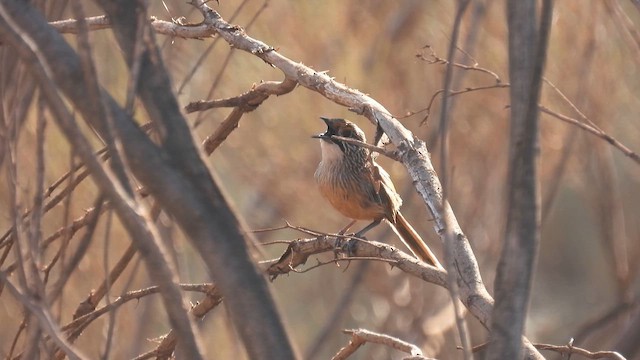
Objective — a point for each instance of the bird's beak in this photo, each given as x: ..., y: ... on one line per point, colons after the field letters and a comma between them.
x: 324, y: 135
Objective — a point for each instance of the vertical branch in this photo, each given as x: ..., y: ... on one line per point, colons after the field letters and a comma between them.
x: 527, y: 53
x: 24, y: 276
x: 444, y: 162
x: 92, y: 87
x: 35, y: 233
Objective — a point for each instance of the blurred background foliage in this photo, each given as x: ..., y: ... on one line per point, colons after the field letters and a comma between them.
x: 590, y: 200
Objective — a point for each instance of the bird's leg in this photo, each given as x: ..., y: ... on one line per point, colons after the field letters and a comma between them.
x: 361, y: 233
x: 348, y: 247
x: 344, y: 230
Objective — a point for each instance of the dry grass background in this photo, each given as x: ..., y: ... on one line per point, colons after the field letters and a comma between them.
x: 589, y: 189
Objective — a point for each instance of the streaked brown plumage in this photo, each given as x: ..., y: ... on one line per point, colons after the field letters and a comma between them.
x: 359, y: 188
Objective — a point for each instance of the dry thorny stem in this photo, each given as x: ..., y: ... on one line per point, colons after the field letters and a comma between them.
x: 360, y: 337
x: 298, y: 251
x: 568, y: 350
x: 346, y: 248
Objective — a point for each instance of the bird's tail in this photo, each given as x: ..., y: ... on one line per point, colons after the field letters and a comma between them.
x: 414, y: 242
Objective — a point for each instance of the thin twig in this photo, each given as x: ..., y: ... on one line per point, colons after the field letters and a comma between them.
x: 570, y: 349
x: 249, y: 100
x: 451, y: 93
x: 449, y: 237
x: 80, y: 323
x: 595, y: 131
x: 433, y: 58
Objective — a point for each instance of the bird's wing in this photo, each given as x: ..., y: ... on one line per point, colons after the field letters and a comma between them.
x: 385, y: 190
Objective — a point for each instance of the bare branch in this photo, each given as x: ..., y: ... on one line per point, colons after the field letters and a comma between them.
x: 433, y: 58
x: 528, y: 43
x: 449, y: 236
x: 453, y: 93
x: 71, y: 26
x: 340, y: 246
x: 360, y: 337
x: 80, y: 323
x: 570, y: 349
x: 248, y: 101
x: 170, y: 28
x: 242, y: 104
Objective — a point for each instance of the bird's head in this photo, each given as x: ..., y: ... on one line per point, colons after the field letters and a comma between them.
x: 333, y: 148
x: 340, y: 127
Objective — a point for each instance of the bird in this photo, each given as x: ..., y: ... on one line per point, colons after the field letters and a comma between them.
x: 360, y: 189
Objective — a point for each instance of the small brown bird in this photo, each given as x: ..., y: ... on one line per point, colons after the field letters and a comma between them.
x: 360, y: 189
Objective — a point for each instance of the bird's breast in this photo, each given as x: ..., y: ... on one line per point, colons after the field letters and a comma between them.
x: 349, y: 191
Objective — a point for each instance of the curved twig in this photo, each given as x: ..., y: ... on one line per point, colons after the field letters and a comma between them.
x: 360, y: 337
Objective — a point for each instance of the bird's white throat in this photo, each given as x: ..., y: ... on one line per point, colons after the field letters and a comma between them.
x: 330, y: 152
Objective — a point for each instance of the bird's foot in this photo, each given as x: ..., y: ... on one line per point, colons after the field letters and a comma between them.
x: 349, y: 247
